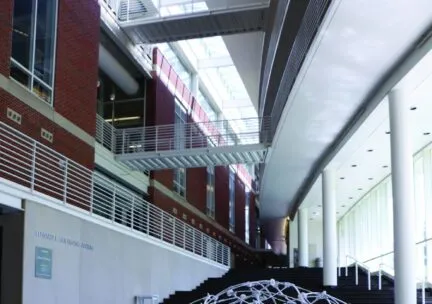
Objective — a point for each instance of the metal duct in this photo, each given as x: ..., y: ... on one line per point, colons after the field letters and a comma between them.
x: 116, y: 72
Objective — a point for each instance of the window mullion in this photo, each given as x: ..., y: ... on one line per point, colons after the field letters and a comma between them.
x: 33, y: 43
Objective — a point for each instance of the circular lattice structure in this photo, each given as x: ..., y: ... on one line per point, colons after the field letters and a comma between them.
x: 268, y: 291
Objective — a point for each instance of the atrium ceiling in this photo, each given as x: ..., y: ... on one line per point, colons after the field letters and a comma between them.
x: 354, y: 53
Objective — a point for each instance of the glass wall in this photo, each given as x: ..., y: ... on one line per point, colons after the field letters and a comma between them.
x: 210, y: 192
x: 366, y: 231
x: 33, y: 45
x: 180, y: 173
x: 232, y: 200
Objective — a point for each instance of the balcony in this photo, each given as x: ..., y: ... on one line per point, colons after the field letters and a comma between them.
x: 154, y: 21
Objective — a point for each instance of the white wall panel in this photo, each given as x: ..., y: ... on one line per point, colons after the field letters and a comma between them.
x: 117, y: 268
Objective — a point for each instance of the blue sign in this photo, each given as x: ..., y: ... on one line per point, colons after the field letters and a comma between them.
x: 43, y: 263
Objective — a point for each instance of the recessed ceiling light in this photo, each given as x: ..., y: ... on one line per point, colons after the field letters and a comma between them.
x: 426, y: 133
x: 413, y: 108
x: 370, y: 150
x: 343, y: 206
x: 387, y: 132
x: 385, y: 166
x: 350, y: 197
x: 353, y: 166
x: 370, y: 178
x: 342, y: 178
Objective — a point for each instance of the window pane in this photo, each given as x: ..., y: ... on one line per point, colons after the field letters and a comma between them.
x: 42, y: 91
x: 22, y: 32
x: 45, y: 29
x: 20, y: 75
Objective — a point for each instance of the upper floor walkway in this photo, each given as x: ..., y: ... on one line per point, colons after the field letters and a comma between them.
x: 196, y: 144
x: 154, y: 21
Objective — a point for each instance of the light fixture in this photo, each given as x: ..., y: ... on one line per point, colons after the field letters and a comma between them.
x: 387, y: 132
x: 350, y: 197
x: 354, y: 166
x: 370, y: 178
x: 342, y: 177
x: 360, y: 189
x: 123, y: 118
x: 343, y: 206
x: 413, y: 108
x: 319, y: 206
x: 112, y: 96
x: 426, y: 133
x: 370, y: 150
x: 385, y: 166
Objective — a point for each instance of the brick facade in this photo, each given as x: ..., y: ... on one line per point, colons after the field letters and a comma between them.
x: 76, y: 76
x: 160, y: 110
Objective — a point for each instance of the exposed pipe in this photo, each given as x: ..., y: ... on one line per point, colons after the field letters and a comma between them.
x: 117, y: 72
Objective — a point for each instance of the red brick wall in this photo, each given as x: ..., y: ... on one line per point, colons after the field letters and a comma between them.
x: 32, y: 122
x: 196, y: 187
x: 6, y: 11
x: 222, y: 195
x: 167, y: 204
x: 160, y: 108
x: 77, y: 62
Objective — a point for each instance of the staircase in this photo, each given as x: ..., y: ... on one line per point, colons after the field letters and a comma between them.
x: 308, y: 278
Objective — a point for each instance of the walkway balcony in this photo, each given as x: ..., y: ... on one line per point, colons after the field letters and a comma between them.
x: 188, y: 145
x: 154, y: 21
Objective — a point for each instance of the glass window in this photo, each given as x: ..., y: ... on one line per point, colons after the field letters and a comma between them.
x: 247, y: 204
x: 232, y: 201
x: 180, y: 143
x: 210, y: 192
x: 33, y: 45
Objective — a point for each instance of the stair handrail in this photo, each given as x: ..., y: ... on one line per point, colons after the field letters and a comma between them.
x: 142, y: 299
x: 356, y: 264
x: 380, y: 273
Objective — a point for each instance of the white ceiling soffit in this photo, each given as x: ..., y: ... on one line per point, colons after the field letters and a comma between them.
x: 355, y: 47
x: 365, y: 160
x: 246, y: 53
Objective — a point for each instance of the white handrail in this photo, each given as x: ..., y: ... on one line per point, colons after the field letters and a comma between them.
x: 47, y: 173
x: 356, y: 264
x: 380, y: 271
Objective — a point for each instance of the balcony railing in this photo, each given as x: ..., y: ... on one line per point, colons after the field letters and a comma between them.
x: 191, y: 135
x: 153, y: 10
x: 44, y: 172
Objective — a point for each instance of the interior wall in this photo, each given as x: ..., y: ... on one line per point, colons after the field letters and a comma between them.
x: 315, y: 239
x: 94, y: 264
x: 11, y: 257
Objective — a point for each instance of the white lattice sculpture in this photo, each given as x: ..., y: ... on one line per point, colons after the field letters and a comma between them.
x: 268, y: 291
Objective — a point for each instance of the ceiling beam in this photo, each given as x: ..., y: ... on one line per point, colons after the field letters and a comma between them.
x: 216, y: 62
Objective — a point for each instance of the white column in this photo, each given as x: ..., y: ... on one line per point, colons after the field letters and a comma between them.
x: 195, y: 85
x: 329, y: 228
x: 403, y: 199
x: 303, y: 240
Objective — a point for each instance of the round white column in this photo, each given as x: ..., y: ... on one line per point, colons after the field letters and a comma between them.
x: 303, y: 239
x: 403, y: 199
x: 329, y: 228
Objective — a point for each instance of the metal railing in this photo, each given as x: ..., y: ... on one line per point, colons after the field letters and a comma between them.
x: 152, y: 10
x: 381, y: 270
x: 356, y: 264
x: 105, y: 134
x: 43, y: 171
x: 146, y: 299
x: 190, y: 135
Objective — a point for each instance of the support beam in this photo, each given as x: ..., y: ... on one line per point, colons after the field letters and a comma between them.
x: 215, y: 62
x: 303, y: 237
x: 329, y: 228
x: 403, y: 199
